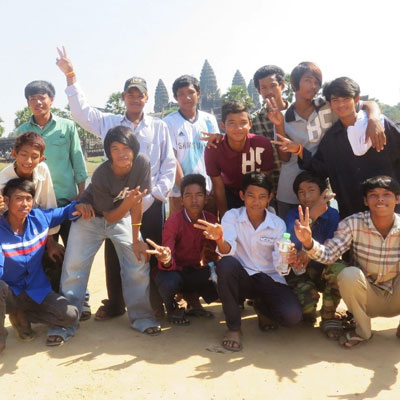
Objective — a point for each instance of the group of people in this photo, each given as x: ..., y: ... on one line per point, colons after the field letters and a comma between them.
x: 231, y: 198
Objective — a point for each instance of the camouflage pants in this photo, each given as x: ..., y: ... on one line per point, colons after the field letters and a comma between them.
x: 318, y: 278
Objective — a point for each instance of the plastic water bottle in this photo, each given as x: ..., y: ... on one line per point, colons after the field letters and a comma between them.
x: 213, y: 274
x: 285, y: 246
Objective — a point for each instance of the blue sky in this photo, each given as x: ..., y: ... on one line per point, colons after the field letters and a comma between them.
x: 111, y: 41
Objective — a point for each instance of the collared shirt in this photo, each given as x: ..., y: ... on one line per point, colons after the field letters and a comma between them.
x: 232, y: 165
x: 21, y: 255
x: 264, y: 127
x: 63, y: 155
x: 186, y: 242
x: 308, y: 133
x: 346, y: 171
x: 152, y: 134
x: 378, y: 257
x: 256, y: 249
x: 44, y: 192
x: 322, y: 228
x: 187, y: 143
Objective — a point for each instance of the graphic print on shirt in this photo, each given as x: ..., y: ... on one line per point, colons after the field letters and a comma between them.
x: 320, y: 124
x: 121, y: 195
x: 253, y: 163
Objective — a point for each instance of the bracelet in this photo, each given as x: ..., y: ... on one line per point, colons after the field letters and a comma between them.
x: 70, y: 74
x: 138, y: 224
x: 299, y: 150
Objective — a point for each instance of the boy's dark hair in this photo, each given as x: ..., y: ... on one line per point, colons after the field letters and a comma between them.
x: 306, y: 176
x: 301, y: 69
x: 381, y: 182
x: 193, y: 179
x: 39, y: 87
x: 31, y: 139
x: 121, y: 134
x: 268, y: 70
x: 184, y: 81
x: 233, y: 107
x: 257, y: 179
x: 19, y: 184
x: 341, y: 87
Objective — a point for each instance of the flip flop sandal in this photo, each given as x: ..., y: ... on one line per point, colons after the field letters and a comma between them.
x: 152, y: 331
x: 199, y: 312
x: 332, y: 328
x: 233, y: 341
x: 346, y: 340
x: 178, y: 319
x: 55, y: 343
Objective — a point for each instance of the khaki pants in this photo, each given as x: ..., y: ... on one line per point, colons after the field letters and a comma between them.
x: 365, y: 300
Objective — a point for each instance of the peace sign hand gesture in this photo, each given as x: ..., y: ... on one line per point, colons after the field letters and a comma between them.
x: 302, y: 228
x: 273, y: 113
x: 63, y: 62
x: 163, y: 254
x: 286, y: 145
x: 210, y: 231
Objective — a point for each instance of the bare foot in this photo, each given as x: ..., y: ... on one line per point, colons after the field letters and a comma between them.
x: 231, y: 341
x: 54, y: 340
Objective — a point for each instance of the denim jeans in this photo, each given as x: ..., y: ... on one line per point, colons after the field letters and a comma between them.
x: 84, y: 241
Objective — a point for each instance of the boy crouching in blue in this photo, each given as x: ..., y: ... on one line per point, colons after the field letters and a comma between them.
x: 25, y: 291
x: 115, y: 196
x: 247, y: 240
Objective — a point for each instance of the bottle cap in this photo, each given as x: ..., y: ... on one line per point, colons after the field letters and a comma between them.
x: 286, y: 235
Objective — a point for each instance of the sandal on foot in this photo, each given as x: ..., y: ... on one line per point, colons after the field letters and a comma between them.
x: 103, y: 314
x: 178, y: 319
x: 235, y: 343
x: 24, y: 331
x: 332, y: 328
x: 200, y: 312
x: 351, y: 339
x: 85, y: 315
x: 153, y: 331
x: 58, y: 341
x: 266, y: 324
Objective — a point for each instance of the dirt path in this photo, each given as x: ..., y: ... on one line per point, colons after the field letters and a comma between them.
x: 108, y: 360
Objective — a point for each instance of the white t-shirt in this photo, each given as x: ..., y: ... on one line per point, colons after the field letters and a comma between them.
x: 185, y: 138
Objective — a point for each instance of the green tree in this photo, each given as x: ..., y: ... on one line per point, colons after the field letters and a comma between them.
x: 22, y: 116
x: 238, y: 93
x: 115, y: 104
x: 288, y: 93
x: 1, y: 127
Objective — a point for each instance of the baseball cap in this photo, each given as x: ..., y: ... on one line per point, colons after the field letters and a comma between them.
x: 136, y: 82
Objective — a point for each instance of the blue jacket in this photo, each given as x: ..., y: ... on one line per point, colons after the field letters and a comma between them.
x: 21, y: 255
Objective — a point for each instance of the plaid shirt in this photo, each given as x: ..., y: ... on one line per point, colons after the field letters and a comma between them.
x: 378, y: 257
x: 264, y: 127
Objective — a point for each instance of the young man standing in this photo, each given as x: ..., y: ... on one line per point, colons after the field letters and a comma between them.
x: 238, y: 153
x: 247, y: 240
x: 155, y: 143
x: 25, y: 291
x: 185, y: 254
x: 371, y: 287
x: 115, y: 198
x: 185, y: 127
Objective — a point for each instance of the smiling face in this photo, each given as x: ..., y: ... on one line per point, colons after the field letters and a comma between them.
x: 187, y: 98
x: 381, y: 202
x: 26, y: 160
x: 19, y: 204
x: 40, y: 105
x: 344, y: 107
x: 308, y: 193
x: 121, y: 155
x: 193, y: 200
x: 236, y: 126
x: 134, y: 100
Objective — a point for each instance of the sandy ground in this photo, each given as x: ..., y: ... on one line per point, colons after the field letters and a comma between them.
x: 109, y: 360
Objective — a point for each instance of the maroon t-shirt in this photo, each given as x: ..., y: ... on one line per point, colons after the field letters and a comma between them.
x: 257, y: 156
x: 186, y: 242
